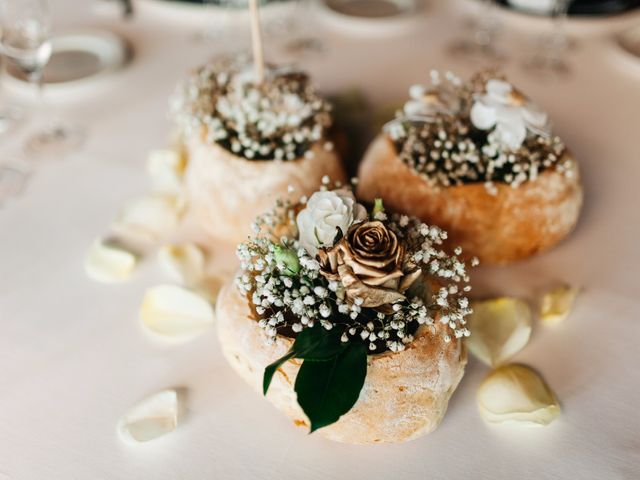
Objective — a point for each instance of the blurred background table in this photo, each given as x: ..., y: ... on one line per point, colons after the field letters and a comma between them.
x: 73, y: 357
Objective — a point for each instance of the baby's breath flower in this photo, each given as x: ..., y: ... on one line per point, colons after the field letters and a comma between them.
x: 284, y: 299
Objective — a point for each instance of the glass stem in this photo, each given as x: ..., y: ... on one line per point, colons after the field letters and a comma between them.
x: 559, y: 40
x: 485, y: 29
x: 37, y: 79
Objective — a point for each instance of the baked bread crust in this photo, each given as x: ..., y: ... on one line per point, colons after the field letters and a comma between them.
x: 405, y: 394
x: 226, y: 192
x: 511, y: 225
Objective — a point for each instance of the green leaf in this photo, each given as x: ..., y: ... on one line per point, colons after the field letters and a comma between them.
x: 313, y: 344
x: 271, y: 369
x: 378, y: 207
x: 327, y: 390
x: 318, y: 344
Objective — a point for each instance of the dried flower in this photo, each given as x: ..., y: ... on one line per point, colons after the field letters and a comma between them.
x: 369, y: 262
x: 285, y: 302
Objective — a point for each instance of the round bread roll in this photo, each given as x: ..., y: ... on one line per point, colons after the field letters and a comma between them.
x: 227, y: 192
x: 511, y: 225
x: 405, y: 394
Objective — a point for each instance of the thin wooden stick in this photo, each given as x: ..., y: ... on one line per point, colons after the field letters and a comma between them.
x: 256, y: 41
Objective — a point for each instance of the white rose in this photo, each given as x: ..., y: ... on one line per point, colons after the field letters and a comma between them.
x: 508, y: 113
x: 325, y: 213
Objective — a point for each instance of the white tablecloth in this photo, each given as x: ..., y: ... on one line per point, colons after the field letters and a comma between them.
x: 73, y: 357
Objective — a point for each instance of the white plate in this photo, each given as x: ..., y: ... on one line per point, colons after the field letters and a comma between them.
x: 627, y: 47
x: 200, y: 14
x: 78, y: 58
x: 373, y: 17
x: 629, y: 41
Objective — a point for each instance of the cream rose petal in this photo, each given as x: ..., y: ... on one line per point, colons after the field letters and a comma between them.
x: 417, y: 107
x: 483, y: 116
x: 556, y: 304
x: 175, y: 312
x: 325, y: 212
x: 500, y: 328
x: 511, y: 129
x: 166, y: 169
x: 151, y: 217
x: 108, y: 263
x: 153, y: 417
x: 498, y: 90
x: 184, y: 263
x: 536, y: 119
x: 516, y: 394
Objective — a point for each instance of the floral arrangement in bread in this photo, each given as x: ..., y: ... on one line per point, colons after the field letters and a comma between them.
x: 350, y: 320
x: 247, y: 141
x: 477, y: 158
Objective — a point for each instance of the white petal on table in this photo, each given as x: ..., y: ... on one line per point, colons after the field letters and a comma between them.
x: 185, y: 263
x: 500, y: 328
x: 556, y: 304
x: 176, y: 312
x: 153, y: 417
x: 108, y: 263
x: 151, y: 217
x: 166, y: 169
x: 517, y: 394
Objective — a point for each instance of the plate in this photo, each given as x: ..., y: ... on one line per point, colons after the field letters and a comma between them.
x: 576, y: 7
x: 629, y: 41
x: 627, y: 45
x: 78, y: 57
x: 370, y: 16
x: 199, y: 12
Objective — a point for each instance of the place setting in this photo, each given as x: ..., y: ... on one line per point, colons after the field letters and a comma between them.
x: 39, y: 62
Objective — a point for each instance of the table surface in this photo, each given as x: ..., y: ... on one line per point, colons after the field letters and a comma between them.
x: 74, y: 358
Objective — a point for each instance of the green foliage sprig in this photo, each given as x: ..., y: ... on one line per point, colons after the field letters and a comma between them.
x: 331, y: 377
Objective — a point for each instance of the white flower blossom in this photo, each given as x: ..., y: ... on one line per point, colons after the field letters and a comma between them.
x: 325, y: 213
x: 509, y: 114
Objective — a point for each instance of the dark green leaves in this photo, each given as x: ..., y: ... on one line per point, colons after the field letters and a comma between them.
x: 330, y: 378
x: 270, y: 371
x: 327, y: 390
x: 318, y: 344
x: 314, y: 344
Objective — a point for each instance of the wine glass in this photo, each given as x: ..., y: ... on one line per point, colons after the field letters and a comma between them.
x: 550, y: 53
x: 25, y: 41
x: 481, y: 44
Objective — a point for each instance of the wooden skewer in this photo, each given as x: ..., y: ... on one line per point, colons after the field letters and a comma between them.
x: 256, y: 41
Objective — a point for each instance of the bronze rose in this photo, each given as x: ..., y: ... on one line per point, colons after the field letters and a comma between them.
x: 369, y: 262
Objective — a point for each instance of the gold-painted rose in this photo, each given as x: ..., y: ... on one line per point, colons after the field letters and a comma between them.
x: 369, y: 263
